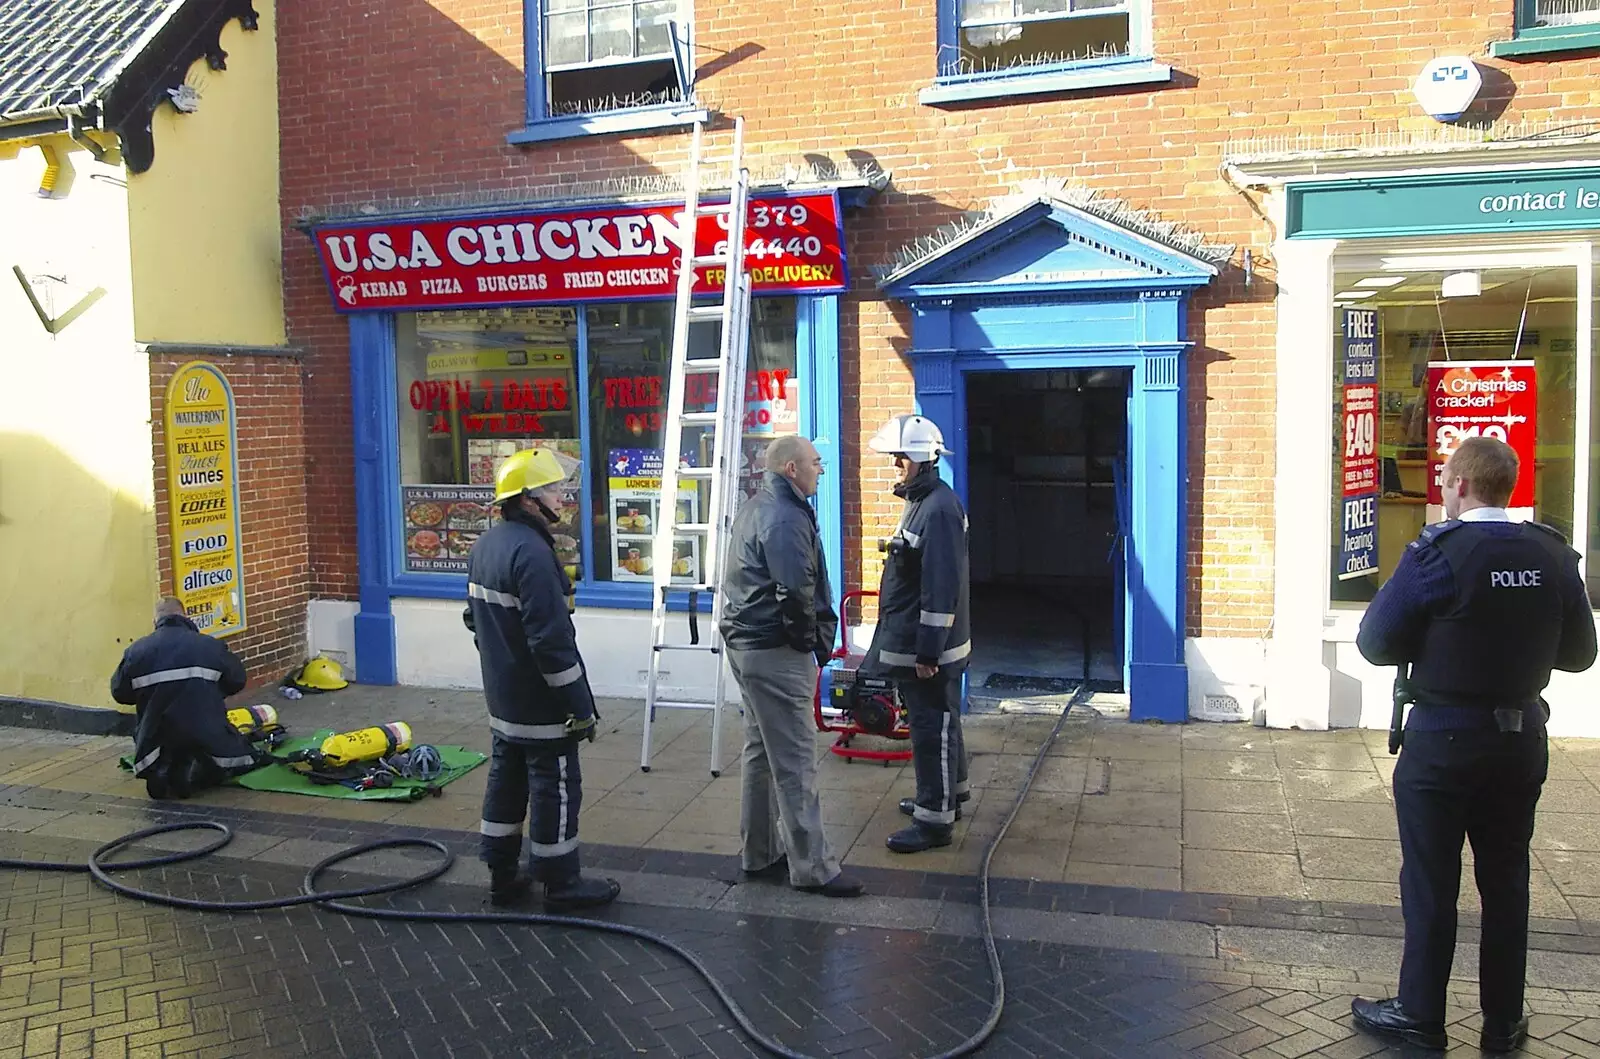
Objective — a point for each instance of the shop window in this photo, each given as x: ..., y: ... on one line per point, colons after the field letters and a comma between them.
x: 1002, y: 47
x: 606, y: 66
x: 1424, y: 359
x: 628, y: 355
x: 476, y: 386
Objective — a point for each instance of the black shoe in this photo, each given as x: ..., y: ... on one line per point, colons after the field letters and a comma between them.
x: 918, y: 837
x: 508, y: 887
x: 1388, y: 1018
x: 155, y: 781
x: 840, y: 885
x: 777, y: 871
x: 908, y: 806
x: 1500, y: 1036
x: 580, y: 892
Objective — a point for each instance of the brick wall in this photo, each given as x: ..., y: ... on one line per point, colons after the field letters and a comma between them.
x: 412, y: 99
x: 274, y: 503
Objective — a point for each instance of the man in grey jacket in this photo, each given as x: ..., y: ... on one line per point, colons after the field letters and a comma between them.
x: 778, y: 624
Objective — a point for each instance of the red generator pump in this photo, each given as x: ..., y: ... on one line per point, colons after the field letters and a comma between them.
x: 851, y: 704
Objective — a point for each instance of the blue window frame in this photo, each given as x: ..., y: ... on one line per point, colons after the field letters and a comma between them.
x: 381, y: 569
x: 996, y: 48
x: 1545, y: 26
x: 606, y: 66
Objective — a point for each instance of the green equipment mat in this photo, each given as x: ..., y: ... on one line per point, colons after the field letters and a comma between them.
x: 458, y: 761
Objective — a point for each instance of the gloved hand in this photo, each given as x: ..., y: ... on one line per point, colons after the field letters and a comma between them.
x: 583, y: 721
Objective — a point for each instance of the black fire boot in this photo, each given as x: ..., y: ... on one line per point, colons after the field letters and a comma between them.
x: 1388, y: 1019
x: 580, y: 892
x: 508, y: 887
x: 918, y: 837
x: 155, y: 781
x: 1501, y: 1036
x: 908, y: 806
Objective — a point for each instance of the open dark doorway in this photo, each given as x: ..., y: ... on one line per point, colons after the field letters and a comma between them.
x: 1047, y: 502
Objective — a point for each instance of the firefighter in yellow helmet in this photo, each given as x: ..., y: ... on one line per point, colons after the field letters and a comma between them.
x: 540, y: 704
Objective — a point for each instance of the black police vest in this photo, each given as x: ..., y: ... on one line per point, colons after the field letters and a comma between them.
x: 1495, y: 643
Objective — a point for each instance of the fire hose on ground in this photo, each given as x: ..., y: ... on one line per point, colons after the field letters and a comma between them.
x: 101, y: 869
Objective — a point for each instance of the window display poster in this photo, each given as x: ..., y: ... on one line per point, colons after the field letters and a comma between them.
x: 203, y: 493
x: 442, y: 522
x: 1482, y: 398
x: 1358, y: 544
x: 635, y: 479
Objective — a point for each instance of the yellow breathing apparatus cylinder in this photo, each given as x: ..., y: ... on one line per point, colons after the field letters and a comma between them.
x: 366, y: 744
x: 248, y: 719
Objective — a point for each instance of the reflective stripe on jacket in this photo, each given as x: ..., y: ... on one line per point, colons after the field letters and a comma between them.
x: 923, y: 598
x: 533, y: 676
x: 178, y: 679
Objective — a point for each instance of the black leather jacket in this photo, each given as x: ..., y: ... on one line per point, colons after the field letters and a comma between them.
x: 776, y: 579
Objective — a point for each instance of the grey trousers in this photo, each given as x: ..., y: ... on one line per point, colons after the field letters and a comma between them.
x: 781, y: 811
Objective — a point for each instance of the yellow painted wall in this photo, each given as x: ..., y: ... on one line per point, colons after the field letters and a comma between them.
x: 77, y: 528
x: 204, y: 223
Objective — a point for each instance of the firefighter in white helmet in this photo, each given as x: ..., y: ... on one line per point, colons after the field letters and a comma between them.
x: 540, y: 704
x: 922, y: 638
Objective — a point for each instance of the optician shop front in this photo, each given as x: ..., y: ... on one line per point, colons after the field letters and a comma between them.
x: 474, y: 336
x: 1422, y: 300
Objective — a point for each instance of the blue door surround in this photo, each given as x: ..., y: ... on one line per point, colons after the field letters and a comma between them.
x: 1047, y: 285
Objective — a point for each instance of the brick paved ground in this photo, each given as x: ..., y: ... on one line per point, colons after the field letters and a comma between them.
x: 1274, y: 907
x: 83, y: 972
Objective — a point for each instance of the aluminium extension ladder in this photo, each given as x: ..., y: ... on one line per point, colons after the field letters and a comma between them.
x: 716, y: 473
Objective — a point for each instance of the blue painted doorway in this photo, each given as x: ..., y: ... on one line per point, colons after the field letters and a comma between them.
x: 1044, y: 470
x: 1046, y: 289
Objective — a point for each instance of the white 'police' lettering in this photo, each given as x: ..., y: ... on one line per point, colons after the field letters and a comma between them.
x: 1514, y: 578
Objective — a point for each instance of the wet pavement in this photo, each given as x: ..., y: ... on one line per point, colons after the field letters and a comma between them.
x: 1206, y: 890
x: 84, y: 972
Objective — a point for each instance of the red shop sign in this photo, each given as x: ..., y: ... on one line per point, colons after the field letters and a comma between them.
x: 1480, y: 398
x: 793, y: 245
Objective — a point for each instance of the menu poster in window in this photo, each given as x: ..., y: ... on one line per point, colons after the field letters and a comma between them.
x: 441, y: 524
x: 1358, y: 545
x: 635, y: 479
x: 1483, y: 398
x: 771, y: 406
x: 484, y: 456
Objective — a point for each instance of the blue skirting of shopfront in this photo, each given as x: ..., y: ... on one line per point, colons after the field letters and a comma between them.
x: 376, y: 432
x: 1049, y: 286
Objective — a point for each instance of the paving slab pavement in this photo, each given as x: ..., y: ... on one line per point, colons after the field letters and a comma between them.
x: 1199, y: 808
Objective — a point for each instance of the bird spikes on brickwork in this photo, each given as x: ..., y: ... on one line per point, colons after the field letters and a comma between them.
x: 1111, y: 210
x: 641, y: 187
x: 1435, y: 137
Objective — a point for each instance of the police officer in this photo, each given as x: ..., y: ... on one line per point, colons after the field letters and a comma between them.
x: 1482, y: 609
x: 519, y: 603
x: 922, y: 634
x: 179, y: 678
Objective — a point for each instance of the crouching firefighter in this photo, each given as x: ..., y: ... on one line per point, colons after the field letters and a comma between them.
x: 922, y: 637
x: 177, y: 678
x: 540, y: 706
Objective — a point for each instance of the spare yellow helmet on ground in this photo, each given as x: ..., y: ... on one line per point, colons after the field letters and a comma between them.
x: 528, y: 470
x: 320, y: 674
